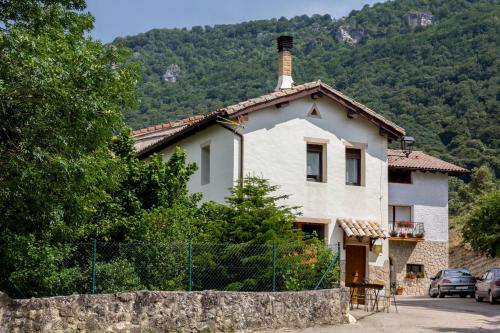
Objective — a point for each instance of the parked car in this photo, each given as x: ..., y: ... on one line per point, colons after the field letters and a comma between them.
x: 453, y: 281
x: 488, y: 286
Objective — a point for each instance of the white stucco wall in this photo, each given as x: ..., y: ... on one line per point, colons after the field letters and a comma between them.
x: 224, y: 147
x: 275, y: 148
x: 275, y: 141
x: 428, y: 197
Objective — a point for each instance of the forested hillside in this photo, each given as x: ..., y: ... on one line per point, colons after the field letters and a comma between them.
x: 432, y: 66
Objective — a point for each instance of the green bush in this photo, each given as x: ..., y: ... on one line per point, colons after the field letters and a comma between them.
x: 116, y: 275
x: 36, y: 268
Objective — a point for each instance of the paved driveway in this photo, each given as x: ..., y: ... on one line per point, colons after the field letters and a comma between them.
x: 423, y: 314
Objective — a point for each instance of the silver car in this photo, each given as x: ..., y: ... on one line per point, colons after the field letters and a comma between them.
x: 453, y: 281
x: 488, y: 286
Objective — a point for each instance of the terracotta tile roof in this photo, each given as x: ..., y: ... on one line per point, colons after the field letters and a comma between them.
x: 245, y: 105
x: 149, y: 136
x: 254, y: 104
x: 362, y: 228
x: 420, y: 161
x: 171, y: 124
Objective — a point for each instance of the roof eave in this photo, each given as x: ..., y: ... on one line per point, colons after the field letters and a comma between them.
x: 448, y: 171
x: 177, y: 136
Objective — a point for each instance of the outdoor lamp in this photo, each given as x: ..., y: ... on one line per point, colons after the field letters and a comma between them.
x: 377, y: 249
x: 407, y: 144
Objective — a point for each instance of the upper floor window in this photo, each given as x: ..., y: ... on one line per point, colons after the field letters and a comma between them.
x: 353, y: 166
x: 399, y: 213
x: 205, y: 164
x: 315, y: 163
x: 400, y: 176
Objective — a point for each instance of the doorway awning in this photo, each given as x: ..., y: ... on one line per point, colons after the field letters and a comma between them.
x: 362, y: 228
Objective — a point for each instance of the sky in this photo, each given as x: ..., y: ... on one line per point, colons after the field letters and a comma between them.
x: 116, y: 18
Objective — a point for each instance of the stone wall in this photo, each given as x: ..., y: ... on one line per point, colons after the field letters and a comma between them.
x: 432, y: 255
x: 379, y: 273
x: 207, y: 311
x: 461, y: 256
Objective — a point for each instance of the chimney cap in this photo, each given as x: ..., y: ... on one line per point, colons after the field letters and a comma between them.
x: 285, y: 43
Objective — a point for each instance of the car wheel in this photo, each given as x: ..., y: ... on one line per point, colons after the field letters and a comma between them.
x: 491, y: 299
x: 478, y: 299
x: 431, y: 294
x: 440, y: 294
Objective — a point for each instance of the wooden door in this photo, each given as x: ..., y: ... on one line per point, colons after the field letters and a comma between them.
x: 355, y: 266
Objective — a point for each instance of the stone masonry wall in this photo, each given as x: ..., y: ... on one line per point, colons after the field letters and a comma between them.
x: 207, y: 311
x: 433, y: 255
x: 477, y: 264
x: 379, y: 273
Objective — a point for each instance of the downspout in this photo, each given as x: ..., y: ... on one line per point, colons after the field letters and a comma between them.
x: 240, y: 157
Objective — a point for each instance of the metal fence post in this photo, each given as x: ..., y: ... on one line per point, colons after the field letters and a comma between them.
x: 274, y: 266
x: 190, y: 265
x: 94, y: 250
x: 333, y: 261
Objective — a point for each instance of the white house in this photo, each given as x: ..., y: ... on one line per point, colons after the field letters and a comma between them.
x: 418, y: 194
x: 326, y: 150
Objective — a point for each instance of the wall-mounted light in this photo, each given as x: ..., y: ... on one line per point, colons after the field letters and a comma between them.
x: 407, y: 143
x: 377, y: 249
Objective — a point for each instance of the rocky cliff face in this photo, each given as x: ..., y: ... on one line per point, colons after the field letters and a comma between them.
x: 172, y: 73
x: 350, y: 36
x: 414, y: 19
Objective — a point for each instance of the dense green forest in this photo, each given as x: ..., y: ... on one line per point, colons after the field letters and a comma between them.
x: 429, y: 65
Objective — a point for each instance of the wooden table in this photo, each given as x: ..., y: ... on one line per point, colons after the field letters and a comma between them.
x: 363, y: 287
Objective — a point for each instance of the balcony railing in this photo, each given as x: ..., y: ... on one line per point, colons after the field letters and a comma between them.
x: 407, y: 230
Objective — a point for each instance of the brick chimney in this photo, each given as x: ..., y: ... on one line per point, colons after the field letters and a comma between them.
x: 285, y: 45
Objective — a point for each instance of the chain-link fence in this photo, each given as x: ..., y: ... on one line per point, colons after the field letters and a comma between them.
x: 103, y: 267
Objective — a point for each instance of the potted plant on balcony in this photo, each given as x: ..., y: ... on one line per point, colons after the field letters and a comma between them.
x: 410, y: 234
x: 419, y: 235
x: 393, y: 233
x: 402, y: 234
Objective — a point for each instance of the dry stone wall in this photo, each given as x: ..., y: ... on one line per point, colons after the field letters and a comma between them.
x: 461, y: 256
x: 431, y: 254
x: 207, y: 311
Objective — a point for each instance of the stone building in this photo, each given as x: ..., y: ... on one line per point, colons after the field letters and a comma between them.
x: 327, y: 150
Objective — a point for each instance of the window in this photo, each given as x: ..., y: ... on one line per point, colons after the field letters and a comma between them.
x: 415, y: 270
x: 353, y: 166
x: 308, y: 230
x: 314, y: 163
x: 456, y: 272
x: 399, y: 213
x: 205, y: 164
x: 400, y: 176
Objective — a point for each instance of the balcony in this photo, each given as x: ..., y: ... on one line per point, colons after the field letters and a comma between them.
x: 407, y: 231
